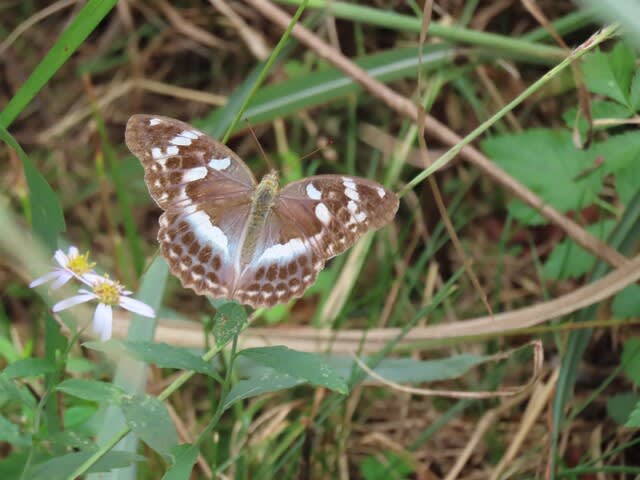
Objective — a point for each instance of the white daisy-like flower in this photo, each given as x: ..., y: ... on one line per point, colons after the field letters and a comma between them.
x: 108, y: 293
x: 71, y: 265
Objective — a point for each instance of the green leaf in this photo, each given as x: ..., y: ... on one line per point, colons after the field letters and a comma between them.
x: 609, y: 74
x: 620, y: 406
x: 92, y: 390
x: 568, y: 260
x: 548, y: 163
x: 60, y: 468
x: 626, y: 303
x: 28, y: 367
x: 17, y: 393
x: 47, y: 219
x: 634, y: 417
x: 78, y: 415
x: 10, y: 433
x: 78, y: 30
x: 600, y: 109
x: 184, y: 456
x: 268, y: 381
x: 229, y: 321
x: 148, y: 418
x: 634, y: 95
x: 302, y: 365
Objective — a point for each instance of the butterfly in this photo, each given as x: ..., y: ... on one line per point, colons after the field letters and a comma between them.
x: 226, y: 235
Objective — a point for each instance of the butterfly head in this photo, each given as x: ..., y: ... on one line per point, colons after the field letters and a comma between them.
x: 267, y: 190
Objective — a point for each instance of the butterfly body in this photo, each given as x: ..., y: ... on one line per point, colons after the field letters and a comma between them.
x: 226, y: 235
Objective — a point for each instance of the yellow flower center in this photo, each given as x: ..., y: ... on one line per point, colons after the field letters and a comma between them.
x: 80, y: 264
x: 107, y: 292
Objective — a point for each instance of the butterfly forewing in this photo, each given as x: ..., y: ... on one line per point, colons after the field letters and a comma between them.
x: 225, y: 236
x: 181, y: 163
x: 334, y: 210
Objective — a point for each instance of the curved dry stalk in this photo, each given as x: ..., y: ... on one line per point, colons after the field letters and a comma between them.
x: 345, y: 341
x: 538, y: 360
x: 441, y: 132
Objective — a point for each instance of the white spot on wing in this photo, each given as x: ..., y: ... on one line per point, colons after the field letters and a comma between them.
x: 194, y: 174
x: 352, y: 206
x: 156, y: 153
x: 284, y: 252
x: 154, y: 121
x: 381, y: 192
x: 322, y: 212
x: 220, y: 163
x: 348, y: 183
x: 206, y: 232
x: 352, y: 194
x: 361, y: 217
x: 180, y: 140
x: 189, y: 134
x: 313, y: 192
x: 172, y: 150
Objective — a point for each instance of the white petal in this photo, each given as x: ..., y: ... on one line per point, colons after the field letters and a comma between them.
x: 108, y: 326
x: 90, y: 278
x: 102, y: 319
x: 64, y: 278
x: 73, y: 252
x: 61, y: 258
x: 44, y: 278
x: 73, y: 301
x: 136, y: 306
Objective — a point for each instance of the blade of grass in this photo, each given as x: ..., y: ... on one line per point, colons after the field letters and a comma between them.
x: 47, y: 219
x: 397, y: 21
x: 73, y: 36
x: 267, y: 67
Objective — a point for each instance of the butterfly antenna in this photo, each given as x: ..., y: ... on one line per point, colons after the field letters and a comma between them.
x: 316, y: 150
x: 262, y: 152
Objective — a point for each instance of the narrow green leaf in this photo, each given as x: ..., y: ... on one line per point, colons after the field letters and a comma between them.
x: 634, y: 95
x: 28, y: 367
x: 267, y: 382
x: 168, y: 356
x: 47, y: 219
x: 148, y: 418
x: 631, y: 359
x: 77, y: 31
x: 184, y: 456
x: 92, y: 390
x: 228, y: 322
x: 59, y: 468
x: 302, y: 365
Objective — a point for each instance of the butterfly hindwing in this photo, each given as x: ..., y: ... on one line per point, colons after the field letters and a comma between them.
x: 312, y: 221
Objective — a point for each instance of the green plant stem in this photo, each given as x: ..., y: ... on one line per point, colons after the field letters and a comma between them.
x: 265, y: 70
x: 389, y: 19
x: 598, y: 38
